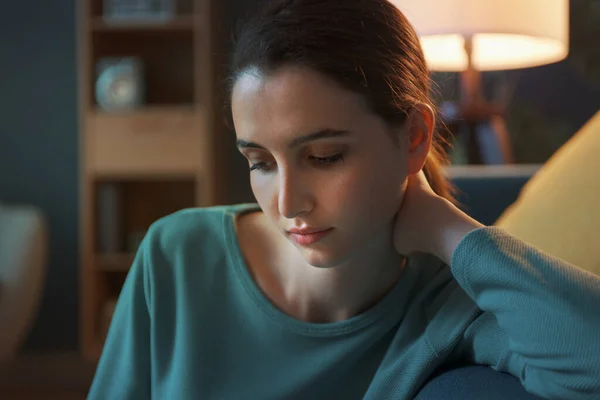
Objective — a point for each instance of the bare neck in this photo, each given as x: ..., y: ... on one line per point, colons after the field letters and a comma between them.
x: 338, y: 293
x: 315, y: 294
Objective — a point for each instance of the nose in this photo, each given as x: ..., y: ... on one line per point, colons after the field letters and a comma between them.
x: 294, y: 195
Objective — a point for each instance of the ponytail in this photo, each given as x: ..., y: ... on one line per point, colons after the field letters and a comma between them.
x: 436, y: 162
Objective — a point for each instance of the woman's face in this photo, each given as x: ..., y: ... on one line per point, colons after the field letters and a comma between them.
x: 321, y: 160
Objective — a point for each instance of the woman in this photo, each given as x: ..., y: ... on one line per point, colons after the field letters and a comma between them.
x: 354, y: 276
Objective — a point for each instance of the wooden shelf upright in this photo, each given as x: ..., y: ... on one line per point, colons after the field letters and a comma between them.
x: 146, y: 162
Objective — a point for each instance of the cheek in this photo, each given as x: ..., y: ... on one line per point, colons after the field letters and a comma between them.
x: 262, y: 190
x: 369, y: 196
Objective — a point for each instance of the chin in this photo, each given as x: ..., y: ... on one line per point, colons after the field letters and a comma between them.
x: 321, y: 263
x: 324, y: 257
x: 332, y: 252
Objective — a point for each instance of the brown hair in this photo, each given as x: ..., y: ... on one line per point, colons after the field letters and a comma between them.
x: 367, y: 46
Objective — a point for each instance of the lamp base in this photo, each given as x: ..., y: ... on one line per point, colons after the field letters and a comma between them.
x: 477, y: 140
x: 478, y: 125
x: 488, y: 142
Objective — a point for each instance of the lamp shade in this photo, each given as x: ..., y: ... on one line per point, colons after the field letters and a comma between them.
x: 505, y: 34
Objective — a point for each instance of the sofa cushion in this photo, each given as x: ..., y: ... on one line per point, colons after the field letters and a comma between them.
x: 558, y: 210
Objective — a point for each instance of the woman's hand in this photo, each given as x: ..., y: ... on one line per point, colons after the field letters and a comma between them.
x: 429, y: 223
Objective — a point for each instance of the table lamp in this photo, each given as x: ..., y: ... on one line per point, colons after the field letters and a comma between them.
x: 471, y: 36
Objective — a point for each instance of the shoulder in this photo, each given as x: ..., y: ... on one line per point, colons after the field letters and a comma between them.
x: 193, y: 224
x: 189, y: 236
x: 188, y: 223
x: 188, y: 251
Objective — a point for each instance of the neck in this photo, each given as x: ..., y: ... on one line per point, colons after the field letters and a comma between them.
x: 334, y: 294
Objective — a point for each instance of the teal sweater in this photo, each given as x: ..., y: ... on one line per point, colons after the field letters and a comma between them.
x: 192, y: 324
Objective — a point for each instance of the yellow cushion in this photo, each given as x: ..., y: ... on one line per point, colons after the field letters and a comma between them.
x: 558, y: 210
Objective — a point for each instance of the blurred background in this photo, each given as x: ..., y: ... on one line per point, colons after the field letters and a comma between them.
x: 111, y: 116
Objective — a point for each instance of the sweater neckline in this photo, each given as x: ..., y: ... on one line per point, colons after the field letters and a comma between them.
x: 388, y: 311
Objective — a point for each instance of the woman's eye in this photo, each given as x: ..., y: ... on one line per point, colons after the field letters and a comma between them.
x: 262, y: 166
x: 329, y: 160
x: 266, y: 166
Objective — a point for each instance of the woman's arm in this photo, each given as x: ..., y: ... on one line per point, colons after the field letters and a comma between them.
x: 541, y: 319
x: 124, y: 371
x: 542, y: 315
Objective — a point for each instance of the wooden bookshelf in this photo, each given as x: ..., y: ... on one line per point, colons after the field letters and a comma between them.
x: 151, y: 160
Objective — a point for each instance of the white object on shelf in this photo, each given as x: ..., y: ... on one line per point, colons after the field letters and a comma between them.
x: 120, y: 83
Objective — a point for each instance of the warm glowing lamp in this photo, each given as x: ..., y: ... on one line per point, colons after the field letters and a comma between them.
x: 470, y: 36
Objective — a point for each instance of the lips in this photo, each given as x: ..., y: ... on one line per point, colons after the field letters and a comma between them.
x: 306, y: 230
x: 308, y: 236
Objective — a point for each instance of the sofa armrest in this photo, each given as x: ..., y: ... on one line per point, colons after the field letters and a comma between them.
x: 486, y: 191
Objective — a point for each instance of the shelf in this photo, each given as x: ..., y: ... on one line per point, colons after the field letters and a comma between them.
x: 126, y: 209
x: 155, y: 141
x: 119, y: 262
x: 176, y: 24
x: 169, y: 67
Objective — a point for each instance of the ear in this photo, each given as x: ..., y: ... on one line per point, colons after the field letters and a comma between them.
x: 419, y: 128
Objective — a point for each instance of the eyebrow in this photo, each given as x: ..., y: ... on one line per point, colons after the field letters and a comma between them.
x: 318, y: 135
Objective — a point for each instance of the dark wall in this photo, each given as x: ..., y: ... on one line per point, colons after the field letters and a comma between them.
x: 38, y: 146
x: 559, y: 89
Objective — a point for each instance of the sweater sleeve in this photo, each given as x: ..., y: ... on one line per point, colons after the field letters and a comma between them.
x: 540, y: 319
x: 123, y: 371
